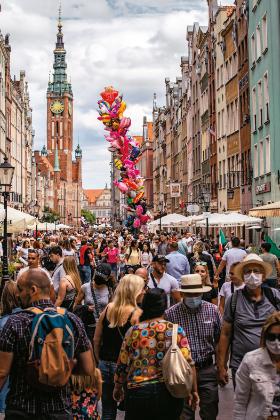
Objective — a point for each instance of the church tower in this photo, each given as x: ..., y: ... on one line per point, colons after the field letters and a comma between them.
x: 60, y: 111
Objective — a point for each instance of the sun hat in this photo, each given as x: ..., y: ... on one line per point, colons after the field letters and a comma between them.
x: 251, y: 259
x: 192, y: 283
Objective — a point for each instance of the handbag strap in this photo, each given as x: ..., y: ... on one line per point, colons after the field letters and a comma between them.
x: 153, y: 280
x: 96, y: 304
x: 174, y: 336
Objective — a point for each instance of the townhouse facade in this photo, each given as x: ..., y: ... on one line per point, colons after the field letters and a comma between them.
x: 211, y: 131
x: 16, y: 130
x: 264, y: 64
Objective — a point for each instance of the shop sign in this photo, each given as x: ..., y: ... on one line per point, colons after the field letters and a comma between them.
x: 263, y: 188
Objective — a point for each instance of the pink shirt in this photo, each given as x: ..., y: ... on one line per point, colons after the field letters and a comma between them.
x: 112, y: 255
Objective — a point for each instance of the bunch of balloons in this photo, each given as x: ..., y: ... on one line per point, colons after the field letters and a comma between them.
x: 127, y: 154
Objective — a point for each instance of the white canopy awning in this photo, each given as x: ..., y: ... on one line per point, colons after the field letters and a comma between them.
x: 43, y: 226
x: 62, y: 226
x: 170, y: 220
x: 229, y: 219
x: 268, y: 210
x: 17, y: 220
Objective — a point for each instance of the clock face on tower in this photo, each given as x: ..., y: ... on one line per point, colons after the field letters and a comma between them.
x: 57, y: 107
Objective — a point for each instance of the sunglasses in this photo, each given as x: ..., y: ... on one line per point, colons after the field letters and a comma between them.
x: 200, y: 263
x: 32, y: 251
x: 272, y: 337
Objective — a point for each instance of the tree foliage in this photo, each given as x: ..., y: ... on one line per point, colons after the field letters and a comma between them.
x: 89, y: 216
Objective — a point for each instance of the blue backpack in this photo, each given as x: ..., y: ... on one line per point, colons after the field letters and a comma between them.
x: 51, y: 349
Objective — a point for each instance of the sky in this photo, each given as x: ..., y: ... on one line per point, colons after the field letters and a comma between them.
x: 130, y: 44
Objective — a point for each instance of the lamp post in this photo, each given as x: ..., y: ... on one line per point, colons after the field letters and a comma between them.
x: 36, y: 213
x: 204, y: 200
x: 6, y: 176
x: 161, y: 208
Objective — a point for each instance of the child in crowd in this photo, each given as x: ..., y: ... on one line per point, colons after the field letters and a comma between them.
x: 85, y: 397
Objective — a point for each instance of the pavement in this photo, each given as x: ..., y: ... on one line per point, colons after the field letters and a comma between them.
x: 225, y: 406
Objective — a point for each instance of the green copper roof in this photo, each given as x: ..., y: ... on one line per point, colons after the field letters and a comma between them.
x: 59, y: 85
x: 78, y: 152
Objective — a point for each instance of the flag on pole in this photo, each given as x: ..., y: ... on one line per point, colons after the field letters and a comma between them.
x: 222, y: 241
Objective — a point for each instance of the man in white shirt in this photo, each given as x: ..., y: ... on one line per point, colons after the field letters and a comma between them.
x: 33, y: 261
x: 231, y: 256
x: 159, y: 278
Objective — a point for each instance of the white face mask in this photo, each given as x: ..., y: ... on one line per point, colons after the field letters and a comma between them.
x: 273, y: 346
x: 253, y: 280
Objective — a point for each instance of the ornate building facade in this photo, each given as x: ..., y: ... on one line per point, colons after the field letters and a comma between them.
x: 63, y: 176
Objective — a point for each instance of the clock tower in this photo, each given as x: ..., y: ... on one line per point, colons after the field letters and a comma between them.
x: 59, y: 111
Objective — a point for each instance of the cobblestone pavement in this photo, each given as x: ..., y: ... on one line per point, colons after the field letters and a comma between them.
x: 225, y: 406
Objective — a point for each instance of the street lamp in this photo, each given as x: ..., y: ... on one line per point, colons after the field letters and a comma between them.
x: 36, y: 213
x: 6, y: 176
x: 204, y: 200
x: 161, y: 209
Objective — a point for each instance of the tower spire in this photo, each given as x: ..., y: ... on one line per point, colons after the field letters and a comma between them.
x: 59, y: 84
x: 59, y: 42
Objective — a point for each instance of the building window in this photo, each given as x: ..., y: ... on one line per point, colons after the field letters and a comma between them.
x: 264, y: 32
x: 267, y: 155
x: 256, y: 161
x: 266, y: 96
x: 253, y: 48
x: 259, y: 47
x: 260, y: 103
x: 261, y: 167
x: 254, y: 106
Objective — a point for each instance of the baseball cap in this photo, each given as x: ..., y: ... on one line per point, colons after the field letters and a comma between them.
x: 160, y: 258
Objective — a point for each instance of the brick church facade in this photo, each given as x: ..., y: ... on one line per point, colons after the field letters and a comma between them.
x: 55, y: 161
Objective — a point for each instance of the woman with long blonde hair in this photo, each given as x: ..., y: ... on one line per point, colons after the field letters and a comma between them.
x: 112, y: 326
x: 69, y: 285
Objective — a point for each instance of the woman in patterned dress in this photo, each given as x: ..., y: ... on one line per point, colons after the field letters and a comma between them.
x: 139, y: 367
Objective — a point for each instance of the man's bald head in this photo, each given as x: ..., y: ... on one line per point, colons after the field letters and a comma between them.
x: 142, y: 272
x: 33, y: 285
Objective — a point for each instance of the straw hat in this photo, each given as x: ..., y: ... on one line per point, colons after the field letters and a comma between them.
x: 192, y: 283
x: 252, y: 259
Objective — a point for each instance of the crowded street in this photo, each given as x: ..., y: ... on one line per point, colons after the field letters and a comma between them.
x: 139, y: 210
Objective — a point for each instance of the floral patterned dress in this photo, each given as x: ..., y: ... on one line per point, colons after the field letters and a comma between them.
x: 84, y: 405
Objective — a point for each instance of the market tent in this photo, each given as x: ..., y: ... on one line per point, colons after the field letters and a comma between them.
x: 17, y: 220
x: 62, y: 226
x: 170, y: 220
x: 229, y: 219
x: 268, y: 210
x: 190, y: 220
x: 42, y: 226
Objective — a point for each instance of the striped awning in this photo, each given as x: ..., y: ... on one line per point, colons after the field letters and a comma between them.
x: 268, y: 210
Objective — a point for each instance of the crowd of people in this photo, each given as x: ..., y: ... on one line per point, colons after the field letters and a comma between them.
x: 88, y: 319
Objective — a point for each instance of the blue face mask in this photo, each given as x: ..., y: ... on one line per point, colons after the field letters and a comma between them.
x: 193, y: 302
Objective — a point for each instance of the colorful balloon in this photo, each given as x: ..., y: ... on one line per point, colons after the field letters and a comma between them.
x: 109, y: 94
x: 127, y: 155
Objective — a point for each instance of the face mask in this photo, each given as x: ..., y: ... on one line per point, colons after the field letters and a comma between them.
x: 253, y: 280
x: 193, y: 302
x: 273, y: 346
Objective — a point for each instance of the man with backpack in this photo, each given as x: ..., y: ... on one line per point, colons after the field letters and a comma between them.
x: 245, y: 314
x: 39, y: 346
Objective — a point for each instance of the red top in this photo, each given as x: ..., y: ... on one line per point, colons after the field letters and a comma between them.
x: 112, y: 255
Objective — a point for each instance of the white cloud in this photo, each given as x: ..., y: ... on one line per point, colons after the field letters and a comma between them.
x: 108, y: 42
